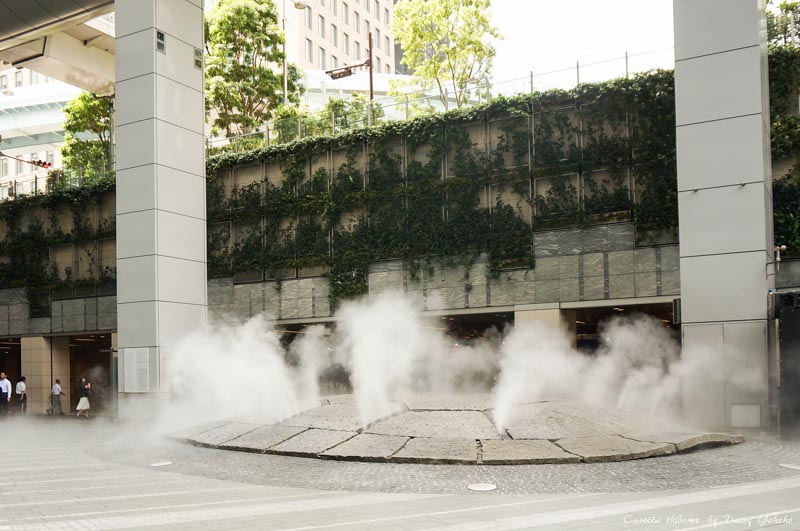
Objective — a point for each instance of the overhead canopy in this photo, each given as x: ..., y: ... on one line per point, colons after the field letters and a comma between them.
x: 62, y: 39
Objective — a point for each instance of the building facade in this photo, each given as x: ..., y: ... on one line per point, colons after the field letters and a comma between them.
x: 328, y: 34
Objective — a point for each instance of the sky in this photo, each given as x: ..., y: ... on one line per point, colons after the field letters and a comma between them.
x: 547, y: 35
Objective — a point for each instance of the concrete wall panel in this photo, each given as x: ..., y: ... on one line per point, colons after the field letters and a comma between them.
x: 731, y: 217
x: 720, y: 153
x: 718, y: 86
x: 694, y: 23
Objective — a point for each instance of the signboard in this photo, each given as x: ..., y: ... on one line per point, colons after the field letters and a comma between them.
x: 136, y: 370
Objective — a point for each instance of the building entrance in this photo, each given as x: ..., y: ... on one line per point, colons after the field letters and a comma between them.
x: 90, y: 358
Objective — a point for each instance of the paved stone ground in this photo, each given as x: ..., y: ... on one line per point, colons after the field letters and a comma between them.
x: 455, y: 428
x: 67, y: 474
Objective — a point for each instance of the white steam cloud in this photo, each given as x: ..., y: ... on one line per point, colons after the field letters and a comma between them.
x: 385, y: 348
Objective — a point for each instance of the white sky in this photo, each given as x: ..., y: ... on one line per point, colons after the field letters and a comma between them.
x: 546, y: 35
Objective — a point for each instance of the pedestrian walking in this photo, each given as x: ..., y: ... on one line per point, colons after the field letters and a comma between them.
x: 22, y: 396
x: 85, y: 391
x: 55, y: 399
x: 5, y: 395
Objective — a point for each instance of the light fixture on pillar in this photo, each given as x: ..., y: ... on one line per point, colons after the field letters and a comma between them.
x: 349, y: 70
x: 301, y: 5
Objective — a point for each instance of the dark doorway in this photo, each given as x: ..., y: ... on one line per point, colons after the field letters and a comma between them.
x: 589, y: 322
x: 89, y: 358
x: 11, y: 359
x: 788, y: 311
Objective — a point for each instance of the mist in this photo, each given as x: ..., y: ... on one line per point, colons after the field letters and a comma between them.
x: 385, y: 348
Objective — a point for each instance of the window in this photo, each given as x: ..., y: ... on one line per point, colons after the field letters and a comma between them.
x: 334, y: 62
x: 18, y: 78
x: 346, y: 13
x: 4, y: 168
x: 335, y: 35
x: 388, y: 69
x: 18, y: 167
x: 322, y: 3
x: 51, y: 157
x: 347, y: 44
x: 321, y: 24
x: 366, y: 5
x: 388, y: 46
x: 3, y: 82
x: 378, y: 10
x: 335, y: 6
x: 377, y: 38
x: 358, y: 51
x: 4, y: 192
x: 366, y: 27
x: 34, y: 78
x: 161, y: 42
x: 322, y: 58
x: 19, y: 189
x: 309, y: 18
x: 357, y: 21
x: 198, y: 58
x: 309, y: 51
x: 386, y: 16
x: 378, y: 63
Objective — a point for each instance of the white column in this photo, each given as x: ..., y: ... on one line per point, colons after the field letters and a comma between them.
x: 161, y: 227
x: 725, y: 207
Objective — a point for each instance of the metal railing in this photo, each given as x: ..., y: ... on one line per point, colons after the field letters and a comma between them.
x: 43, y: 181
x: 416, y: 103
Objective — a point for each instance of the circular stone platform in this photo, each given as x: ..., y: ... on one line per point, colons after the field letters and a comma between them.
x: 457, y: 429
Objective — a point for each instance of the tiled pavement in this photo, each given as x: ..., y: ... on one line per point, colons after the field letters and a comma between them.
x: 67, y: 474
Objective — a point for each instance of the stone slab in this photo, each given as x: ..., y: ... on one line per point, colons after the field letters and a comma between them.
x: 447, y: 402
x: 341, y: 416
x: 262, y: 438
x: 193, y: 431
x: 438, y: 451
x: 439, y: 424
x: 224, y: 433
x: 606, y: 448
x: 368, y: 446
x: 524, y: 452
x: 685, y: 441
x: 312, y: 442
x: 337, y: 399
x: 557, y: 420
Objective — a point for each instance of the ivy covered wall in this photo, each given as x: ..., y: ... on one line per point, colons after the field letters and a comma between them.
x: 481, y: 180
x: 448, y: 188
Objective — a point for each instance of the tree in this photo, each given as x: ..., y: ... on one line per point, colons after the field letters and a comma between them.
x: 87, y: 115
x: 783, y: 22
x: 447, y: 42
x: 244, y: 75
x: 338, y: 115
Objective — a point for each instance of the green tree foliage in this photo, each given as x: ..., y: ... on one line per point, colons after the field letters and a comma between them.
x: 87, y: 115
x: 783, y: 23
x: 786, y: 211
x: 447, y: 42
x: 338, y: 115
x: 244, y: 57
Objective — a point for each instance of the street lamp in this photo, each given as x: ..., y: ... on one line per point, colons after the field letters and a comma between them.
x: 298, y: 4
x: 345, y: 71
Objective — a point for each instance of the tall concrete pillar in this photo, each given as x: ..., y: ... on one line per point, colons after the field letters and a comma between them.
x: 725, y: 207
x: 161, y: 228
x: 43, y: 360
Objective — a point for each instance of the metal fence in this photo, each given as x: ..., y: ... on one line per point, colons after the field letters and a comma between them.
x: 412, y: 104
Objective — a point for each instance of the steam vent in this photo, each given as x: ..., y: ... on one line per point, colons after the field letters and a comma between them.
x: 458, y: 429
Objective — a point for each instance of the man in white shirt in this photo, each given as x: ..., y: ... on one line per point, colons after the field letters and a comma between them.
x: 55, y: 399
x: 22, y: 396
x: 5, y: 394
